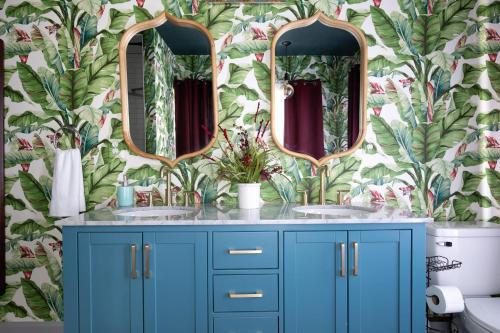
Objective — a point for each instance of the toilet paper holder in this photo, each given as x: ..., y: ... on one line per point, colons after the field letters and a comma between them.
x: 438, y: 264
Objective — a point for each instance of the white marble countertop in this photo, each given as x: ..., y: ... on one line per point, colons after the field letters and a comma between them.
x: 266, y: 215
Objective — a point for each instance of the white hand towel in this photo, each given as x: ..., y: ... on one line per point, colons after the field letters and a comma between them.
x: 67, y: 186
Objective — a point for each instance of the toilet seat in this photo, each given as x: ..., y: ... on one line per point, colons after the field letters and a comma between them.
x: 484, y: 313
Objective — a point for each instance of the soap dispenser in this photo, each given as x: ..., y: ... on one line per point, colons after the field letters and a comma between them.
x: 125, y: 194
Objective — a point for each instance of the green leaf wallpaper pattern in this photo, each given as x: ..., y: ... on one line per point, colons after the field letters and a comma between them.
x: 433, y: 135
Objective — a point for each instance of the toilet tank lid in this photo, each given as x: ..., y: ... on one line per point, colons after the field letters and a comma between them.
x: 463, y: 229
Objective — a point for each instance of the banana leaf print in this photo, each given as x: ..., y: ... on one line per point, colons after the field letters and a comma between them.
x: 432, y: 141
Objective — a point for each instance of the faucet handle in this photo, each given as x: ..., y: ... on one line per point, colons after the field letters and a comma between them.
x: 340, y: 196
x: 305, y: 198
x: 186, y: 197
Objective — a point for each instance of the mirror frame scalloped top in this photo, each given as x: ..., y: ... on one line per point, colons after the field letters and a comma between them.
x: 126, y: 38
x: 363, y: 52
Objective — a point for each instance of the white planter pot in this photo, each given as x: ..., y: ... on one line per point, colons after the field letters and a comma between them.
x: 249, y: 195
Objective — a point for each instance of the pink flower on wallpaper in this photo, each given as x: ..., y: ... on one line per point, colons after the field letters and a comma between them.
x: 195, y: 6
x: 461, y: 149
x: 461, y: 42
x: 220, y: 65
x: 407, y: 82
x: 338, y: 10
x: 23, y: 58
x: 22, y: 36
x: 26, y: 252
x: 492, y: 164
x: 492, y: 34
x: 56, y: 247
x: 24, y: 144
x: 376, y: 88
x: 140, y: 3
x: 228, y: 40
x: 53, y: 28
x: 377, y: 111
x: 493, y: 57
x: 377, y: 3
x: 101, y: 121
x: 101, y: 11
x: 109, y: 96
x: 492, y: 142
x: 454, y: 65
x: 376, y: 196
x: 453, y: 173
x: 258, y: 34
x: 259, y: 56
x: 407, y: 189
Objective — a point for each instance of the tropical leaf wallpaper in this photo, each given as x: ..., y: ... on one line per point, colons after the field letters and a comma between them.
x: 432, y: 143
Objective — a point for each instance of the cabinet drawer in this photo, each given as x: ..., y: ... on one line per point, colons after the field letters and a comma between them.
x: 239, y: 293
x: 259, y: 324
x: 245, y: 250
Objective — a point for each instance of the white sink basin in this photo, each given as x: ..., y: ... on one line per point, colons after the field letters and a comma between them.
x: 153, y: 211
x: 333, y: 210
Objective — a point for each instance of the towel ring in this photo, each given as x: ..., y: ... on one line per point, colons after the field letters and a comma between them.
x: 62, y: 129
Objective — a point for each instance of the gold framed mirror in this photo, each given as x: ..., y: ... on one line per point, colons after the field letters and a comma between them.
x: 168, y: 82
x: 319, y: 88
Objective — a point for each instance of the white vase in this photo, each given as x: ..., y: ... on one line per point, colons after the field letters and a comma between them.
x: 249, y: 195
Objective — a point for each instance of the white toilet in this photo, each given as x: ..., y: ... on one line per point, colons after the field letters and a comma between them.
x: 477, y: 246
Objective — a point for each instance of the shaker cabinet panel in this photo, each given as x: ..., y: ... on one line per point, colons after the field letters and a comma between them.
x: 315, y: 287
x: 175, y: 282
x: 380, y: 281
x: 110, y: 282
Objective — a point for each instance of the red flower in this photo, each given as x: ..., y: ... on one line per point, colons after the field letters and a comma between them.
x: 492, y: 56
x: 22, y: 36
x: 492, y: 34
x: 109, y: 96
x: 246, y: 160
x: 224, y: 132
x: 407, y: 189
x: 377, y: 111
x: 376, y: 88
x: 461, y: 42
x: 101, y: 11
x: 227, y: 41
x: 23, y: 58
x: 492, y: 142
x: 453, y: 173
x: 376, y: 196
x: 256, y: 113
x: 56, y: 246
x: 454, y: 65
x: 195, y: 6
x: 258, y: 34
x: 492, y: 164
x: 53, y: 28
x: 259, y: 56
x: 26, y: 252
x: 24, y: 144
x: 220, y: 65
x: 461, y: 149
x: 140, y: 3
x: 377, y: 3
x: 339, y: 9
x: 407, y: 82
x: 101, y: 121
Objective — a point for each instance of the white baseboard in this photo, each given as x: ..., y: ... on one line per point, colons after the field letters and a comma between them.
x: 31, y: 327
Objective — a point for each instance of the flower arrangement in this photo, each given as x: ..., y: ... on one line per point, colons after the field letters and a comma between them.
x: 247, y: 161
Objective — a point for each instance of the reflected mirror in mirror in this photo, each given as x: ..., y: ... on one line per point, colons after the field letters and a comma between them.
x: 318, y: 97
x: 171, y: 107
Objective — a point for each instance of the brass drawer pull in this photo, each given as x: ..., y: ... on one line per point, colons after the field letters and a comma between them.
x: 133, y: 254
x: 355, y: 271
x: 342, y: 259
x: 147, y: 253
x: 254, y: 295
x: 256, y: 251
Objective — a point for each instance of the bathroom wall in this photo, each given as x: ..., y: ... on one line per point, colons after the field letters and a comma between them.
x: 432, y: 143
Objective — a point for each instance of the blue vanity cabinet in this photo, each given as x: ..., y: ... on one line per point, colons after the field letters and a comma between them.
x: 175, y: 282
x: 315, y: 284
x: 109, y: 283
x: 380, y: 281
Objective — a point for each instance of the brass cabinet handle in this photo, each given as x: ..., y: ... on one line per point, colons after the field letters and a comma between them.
x: 147, y: 251
x: 355, y: 245
x: 256, y: 251
x: 133, y: 255
x: 253, y: 295
x: 342, y: 259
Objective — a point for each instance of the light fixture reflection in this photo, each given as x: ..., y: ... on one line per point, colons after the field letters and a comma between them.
x: 287, y: 87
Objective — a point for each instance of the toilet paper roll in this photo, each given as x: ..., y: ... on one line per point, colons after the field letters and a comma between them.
x: 444, y: 299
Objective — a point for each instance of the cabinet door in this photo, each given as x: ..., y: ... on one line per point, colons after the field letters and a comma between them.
x: 315, y: 291
x: 110, y: 290
x: 175, y: 291
x: 380, y: 288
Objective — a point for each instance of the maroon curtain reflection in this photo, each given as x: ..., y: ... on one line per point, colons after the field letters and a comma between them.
x: 304, y: 119
x: 193, y: 115
x: 353, y: 105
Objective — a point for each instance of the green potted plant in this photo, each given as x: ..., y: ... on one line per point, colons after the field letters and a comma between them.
x: 246, y: 162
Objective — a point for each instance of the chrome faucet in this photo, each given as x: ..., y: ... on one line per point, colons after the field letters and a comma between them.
x: 167, y: 176
x: 323, y: 173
